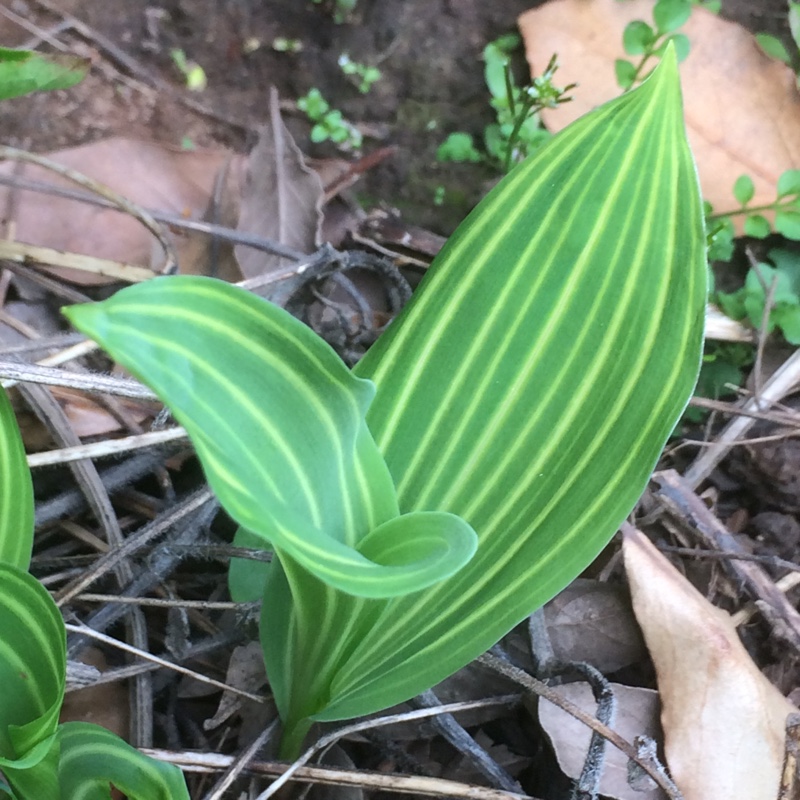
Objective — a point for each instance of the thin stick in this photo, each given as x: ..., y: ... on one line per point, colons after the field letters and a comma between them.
x: 110, y: 447
x: 422, y: 713
x: 190, y: 761
x: 85, y: 630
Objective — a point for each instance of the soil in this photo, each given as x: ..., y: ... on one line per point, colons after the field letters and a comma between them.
x: 428, y: 52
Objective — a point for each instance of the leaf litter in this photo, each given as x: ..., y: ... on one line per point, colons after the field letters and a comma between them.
x: 593, y: 620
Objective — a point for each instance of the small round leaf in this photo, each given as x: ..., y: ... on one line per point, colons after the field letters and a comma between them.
x: 626, y: 73
x: 669, y: 15
x: 789, y: 183
x: 637, y: 38
x: 757, y: 226
x: 788, y: 223
x: 744, y: 189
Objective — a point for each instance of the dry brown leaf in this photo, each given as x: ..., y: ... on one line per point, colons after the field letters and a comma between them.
x: 592, y: 621
x: 281, y: 200
x: 636, y: 715
x: 151, y: 175
x: 742, y: 108
x: 723, y: 720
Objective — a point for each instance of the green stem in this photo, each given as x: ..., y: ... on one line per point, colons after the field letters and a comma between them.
x: 292, y: 739
x: 750, y: 210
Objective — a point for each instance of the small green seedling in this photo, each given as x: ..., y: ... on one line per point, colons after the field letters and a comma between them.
x: 363, y: 75
x: 283, y: 45
x: 193, y: 73
x: 785, y: 210
x: 518, y: 131
x: 485, y: 449
x: 649, y: 42
x: 329, y: 123
x: 773, y: 286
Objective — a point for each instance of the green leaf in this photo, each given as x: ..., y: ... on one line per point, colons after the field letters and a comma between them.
x: 757, y: 226
x: 277, y: 420
x: 458, y: 147
x: 794, y: 21
x: 23, y: 71
x: 625, y: 73
x: 787, y: 318
x: 93, y: 758
x: 669, y: 15
x: 16, y: 492
x: 681, y: 43
x: 744, y: 189
x: 789, y: 183
x: 32, y: 669
x: 787, y: 222
x: 773, y: 47
x: 528, y: 387
x: 637, y: 38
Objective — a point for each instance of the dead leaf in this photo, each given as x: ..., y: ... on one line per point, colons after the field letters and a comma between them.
x: 636, y: 715
x: 149, y: 174
x: 723, y: 720
x: 282, y: 198
x: 742, y: 108
x: 592, y: 621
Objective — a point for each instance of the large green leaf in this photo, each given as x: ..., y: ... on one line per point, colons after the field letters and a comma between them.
x: 529, y: 388
x: 32, y: 668
x: 277, y: 420
x: 16, y: 492
x: 93, y: 759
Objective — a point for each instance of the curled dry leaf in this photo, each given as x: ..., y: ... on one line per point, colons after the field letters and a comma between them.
x: 742, y: 108
x: 636, y: 715
x: 723, y: 720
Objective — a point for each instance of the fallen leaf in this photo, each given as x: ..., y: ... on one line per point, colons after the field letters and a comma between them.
x: 592, y: 621
x: 723, y: 720
x: 742, y: 108
x: 636, y: 715
x: 281, y: 199
x: 151, y: 175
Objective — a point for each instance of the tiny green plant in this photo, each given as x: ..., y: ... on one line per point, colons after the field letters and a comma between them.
x: 486, y: 448
x: 362, y: 74
x: 518, y: 131
x: 773, y: 287
x: 193, y: 73
x: 649, y: 42
x: 329, y: 123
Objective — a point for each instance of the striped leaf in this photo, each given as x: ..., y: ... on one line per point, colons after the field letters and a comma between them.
x: 278, y: 423
x: 93, y: 758
x: 16, y: 492
x: 33, y: 666
x: 528, y: 388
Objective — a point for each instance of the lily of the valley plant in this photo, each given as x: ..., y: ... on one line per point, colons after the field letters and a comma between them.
x: 485, y: 449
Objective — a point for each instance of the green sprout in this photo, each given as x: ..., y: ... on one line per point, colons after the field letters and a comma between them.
x: 518, y: 131
x: 329, y: 123
x: 364, y: 76
x: 193, y: 73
